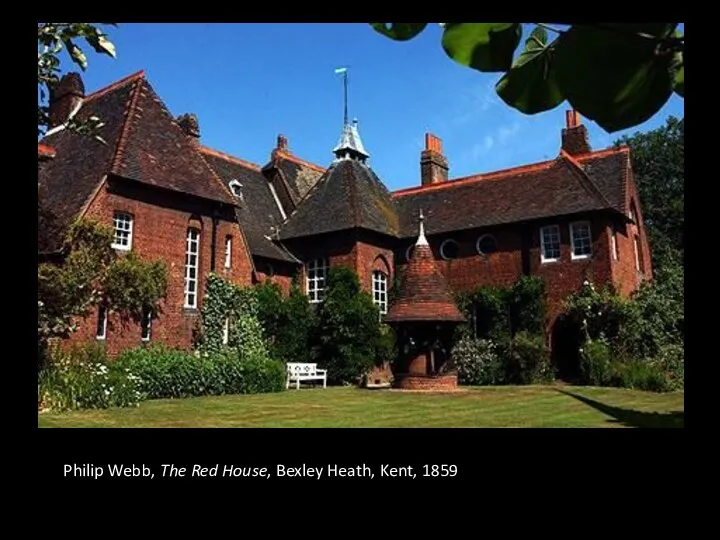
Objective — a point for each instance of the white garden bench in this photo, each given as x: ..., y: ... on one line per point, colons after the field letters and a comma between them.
x: 297, y: 372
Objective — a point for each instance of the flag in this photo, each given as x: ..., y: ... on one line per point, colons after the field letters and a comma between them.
x: 341, y: 70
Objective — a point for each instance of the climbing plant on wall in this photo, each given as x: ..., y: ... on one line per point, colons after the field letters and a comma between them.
x: 233, y: 311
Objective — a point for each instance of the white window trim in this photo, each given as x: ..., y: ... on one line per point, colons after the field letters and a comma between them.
x: 442, y: 249
x: 188, y: 279
x: 228, y: 252
x: 318, y: 265
x: 226, y: 331
x: 544, y: 259
x: 482, y: 237
x: 380, y: 287
x: 572, y: 240
x: 149, y: 327
x: 636, y: 249
x: 408, y: 252
x: 131, y: 219
x: 614, y: 251
x: 103, y: 336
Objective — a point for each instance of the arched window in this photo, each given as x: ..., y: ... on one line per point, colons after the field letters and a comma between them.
x: 316, y: 279
x: 192, y: 252
x: 380, y: 290
x: 486, y: 244
x: 449, y: 249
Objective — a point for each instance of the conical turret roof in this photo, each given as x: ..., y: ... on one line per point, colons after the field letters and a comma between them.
x: 424, y: 293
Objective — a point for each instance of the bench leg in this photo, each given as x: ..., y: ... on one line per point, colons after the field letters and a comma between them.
x: 297, y: 384
x: 287, y: 382
x: 324, y: 381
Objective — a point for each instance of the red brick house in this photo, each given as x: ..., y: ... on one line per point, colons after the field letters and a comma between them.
x: 572, y: 218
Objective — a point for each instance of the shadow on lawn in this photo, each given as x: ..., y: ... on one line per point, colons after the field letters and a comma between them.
x: 629, y: 417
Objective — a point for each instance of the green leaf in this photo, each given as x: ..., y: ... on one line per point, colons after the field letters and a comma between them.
x: 612, y: 73
x: 76, y: 54
x: 529, y: 86
x: 399, y: 31
x: 101, y: 44
x: 483, y: 46
x: 680, y: 81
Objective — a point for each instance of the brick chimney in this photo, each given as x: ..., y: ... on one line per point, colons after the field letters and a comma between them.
x: 575, y: 135
x: 191, y: 126
x: 433, y: 164
x: 65, y: 97
x: 281, y: 146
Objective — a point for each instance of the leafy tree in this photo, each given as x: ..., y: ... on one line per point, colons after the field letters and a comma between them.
x: 658, y: 159
x: 288, y: 322
x: 348, y: 333
x: 53, y: 38
x: 92, y: 272
x: 618, y: 75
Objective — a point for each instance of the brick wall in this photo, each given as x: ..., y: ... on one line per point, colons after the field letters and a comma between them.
x: 279, y: 272
x: 160, y: 222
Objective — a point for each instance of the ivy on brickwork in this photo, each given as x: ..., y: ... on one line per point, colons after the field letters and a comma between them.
x: 230, y: 320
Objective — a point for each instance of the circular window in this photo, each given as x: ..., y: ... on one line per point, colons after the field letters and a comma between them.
x: 486, y: 244
x: 409, y: 252
x: 449, y: 249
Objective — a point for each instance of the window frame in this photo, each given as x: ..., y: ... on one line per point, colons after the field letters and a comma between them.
x: 442, y: 249
x: 543, y: 258
x: 483, y: 237
x: 319, y: 269
x: 614, y: 248
x: 195, y: 281
x: 131, y: 220
x: 146, y: 325
x: 228, y: 252
x: 380, y: 290
x: 574, y: 224
x: 102, y: 309
x: 636, y: 249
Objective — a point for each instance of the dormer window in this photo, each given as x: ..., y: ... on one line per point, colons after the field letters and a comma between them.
x: 236, y: 188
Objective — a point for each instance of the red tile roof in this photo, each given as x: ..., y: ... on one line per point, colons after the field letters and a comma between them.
x: 424, y: 294
x: 563, y: 186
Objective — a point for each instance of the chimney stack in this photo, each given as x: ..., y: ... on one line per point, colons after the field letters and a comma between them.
x: 282, y: 143
x: 575, y: 135
x: 433, y: 164
x: 66, y: 96
x: 189, y: 123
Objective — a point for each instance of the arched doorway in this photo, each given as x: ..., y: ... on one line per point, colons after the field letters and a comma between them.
x: 565, y: 343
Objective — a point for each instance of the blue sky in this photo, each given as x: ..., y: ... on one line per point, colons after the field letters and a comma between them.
x: 250, y: 82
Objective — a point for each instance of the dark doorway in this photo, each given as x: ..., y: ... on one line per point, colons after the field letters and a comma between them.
x: 565, y: 344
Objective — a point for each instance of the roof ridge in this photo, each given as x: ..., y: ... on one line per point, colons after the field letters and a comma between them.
x: 299, y: 161
x: 228, y: 157
x: 125, y: 129
x: 623, y: 148
x: 585, y: 178
x: 113, y: 86
x: 486, y: 177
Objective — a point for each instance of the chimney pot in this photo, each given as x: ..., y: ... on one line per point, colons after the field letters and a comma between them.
x: 433, y: 164
x: 575, y: 135
x: 282, y: 143
x: 191, y: 126
x: 65, y: 97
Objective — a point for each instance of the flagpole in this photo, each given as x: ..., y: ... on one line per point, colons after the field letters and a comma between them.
x: 345, y: 117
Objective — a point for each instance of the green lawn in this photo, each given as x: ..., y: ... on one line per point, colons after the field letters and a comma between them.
x: 534, y: 406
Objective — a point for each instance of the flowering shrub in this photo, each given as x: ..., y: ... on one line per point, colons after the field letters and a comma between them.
x: 71, y: 381
x: 526, y: 360
x: 477, y: 362
x: 596, y: 362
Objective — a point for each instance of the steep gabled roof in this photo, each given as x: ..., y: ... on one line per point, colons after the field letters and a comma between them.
x: 257, y: 211
x: 299, y: 175
x: 348, y: 196
x: 142, y: 143
x: 563, y: 186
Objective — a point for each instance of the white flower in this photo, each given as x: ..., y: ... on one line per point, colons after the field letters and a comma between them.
x: 586, y: 283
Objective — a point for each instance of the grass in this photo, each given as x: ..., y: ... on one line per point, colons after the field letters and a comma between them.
x: 527, y: 406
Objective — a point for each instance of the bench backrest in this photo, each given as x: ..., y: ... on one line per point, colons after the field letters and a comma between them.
x: 301, y: 369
